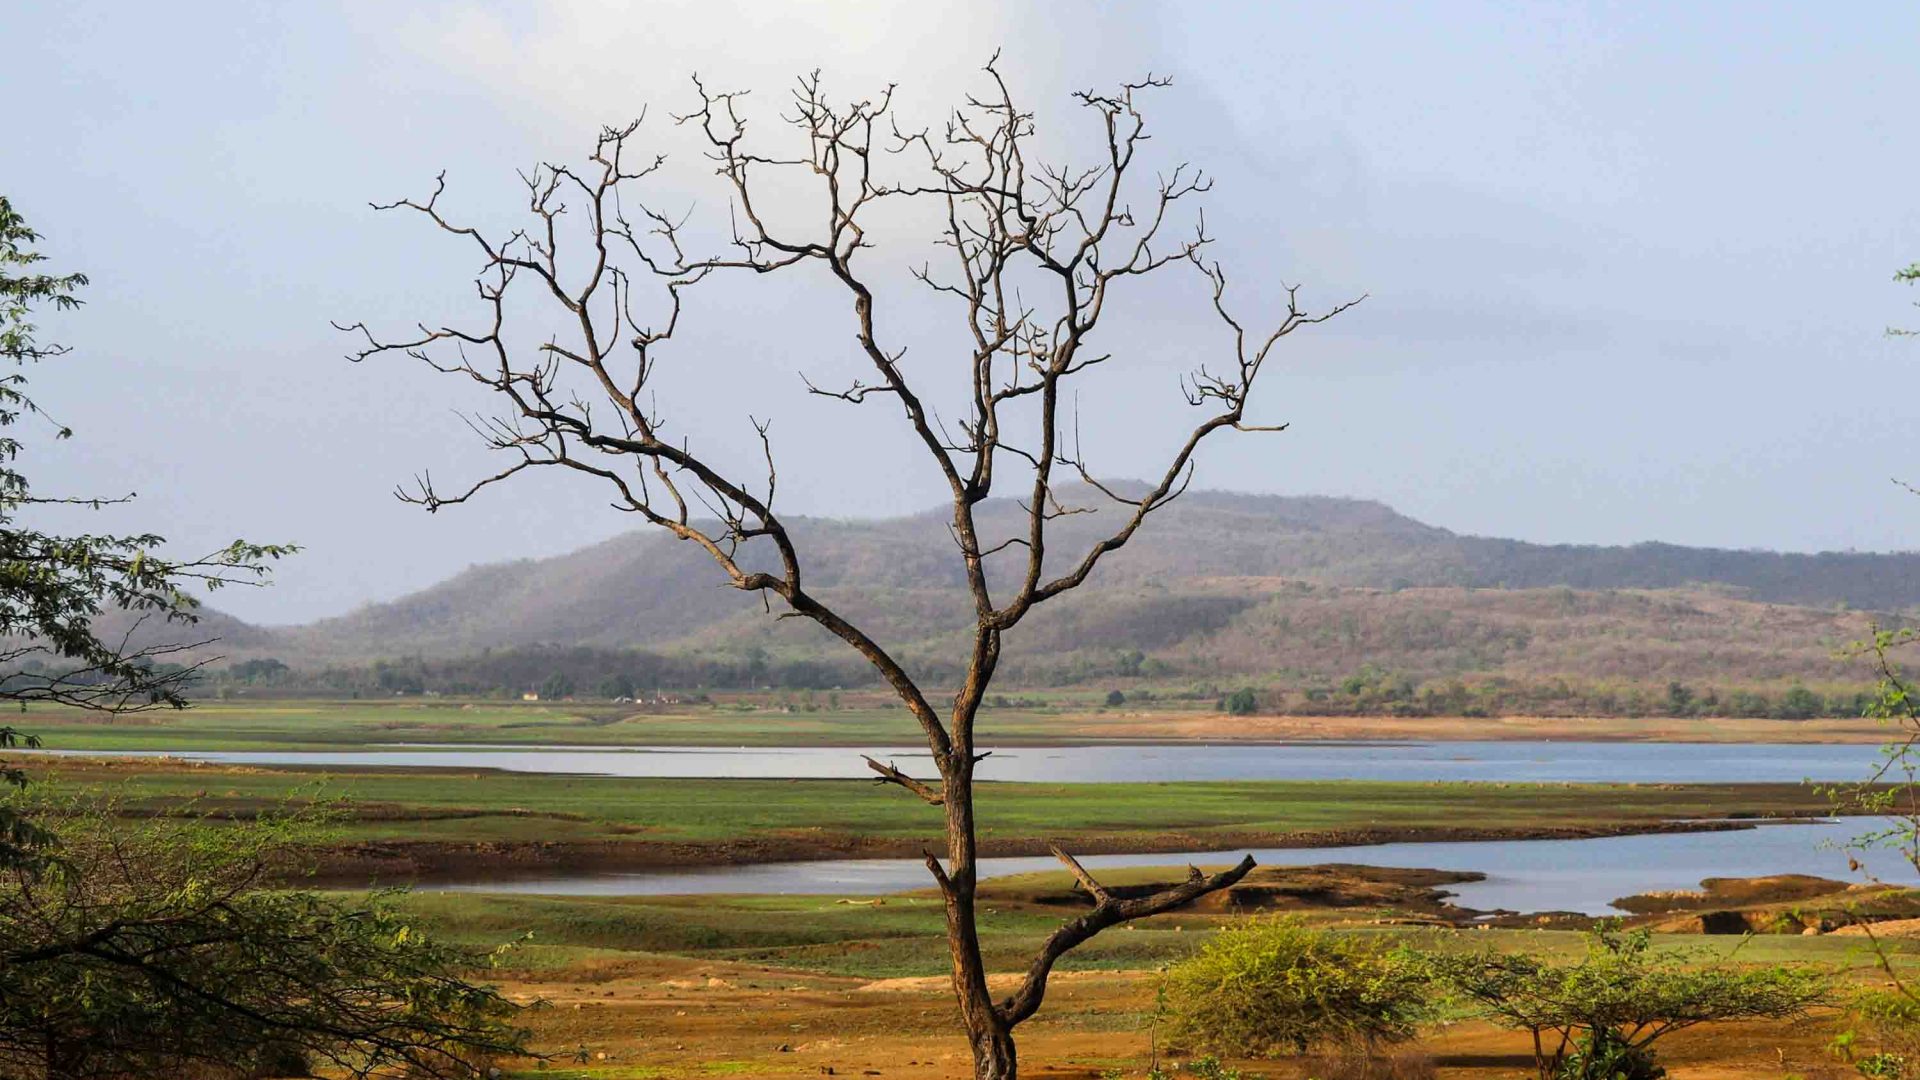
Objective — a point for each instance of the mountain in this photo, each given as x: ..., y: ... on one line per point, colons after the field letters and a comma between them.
x: 1220, y: 580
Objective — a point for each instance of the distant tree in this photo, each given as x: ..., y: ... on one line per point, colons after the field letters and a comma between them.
x: 399, y: 677
x: 1034, y: 256
x: 1799, y: 703
x: 757, y: 666
x: 1115, y: 699
x: 257, y: 671
x: 1243, y: 702
x: 1680, y: 700
x: 615, y: 686
x: 556, y: 686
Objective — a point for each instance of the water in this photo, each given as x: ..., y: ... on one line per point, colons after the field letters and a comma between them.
x: 1542, y: 761
x: 1522, y: 875
x: 1529, y: 875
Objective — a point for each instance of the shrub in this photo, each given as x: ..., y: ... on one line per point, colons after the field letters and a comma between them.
x: 1888, y: 1021
x: 1597, y: 1018
x: 1205, y: 1068
x: 162, y: 948
x: 1349, y: 1065
x: 1277, y: 986
x: 1209, y: 1068
x: 1243, y: 702
x: 1604, y: 1054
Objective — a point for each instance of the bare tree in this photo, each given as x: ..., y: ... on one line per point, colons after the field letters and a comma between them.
x: 1034, y: 257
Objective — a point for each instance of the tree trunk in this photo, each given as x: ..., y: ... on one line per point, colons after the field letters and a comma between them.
x: 990, y: 1037
x: 993, y: 1057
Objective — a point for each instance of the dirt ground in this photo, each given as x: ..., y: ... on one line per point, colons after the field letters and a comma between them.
x: 1220, y: 727
x: 668, y: 1017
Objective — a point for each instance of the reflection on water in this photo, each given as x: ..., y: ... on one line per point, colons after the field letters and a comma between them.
x: 1522, y: 875
x: 1549, y: 762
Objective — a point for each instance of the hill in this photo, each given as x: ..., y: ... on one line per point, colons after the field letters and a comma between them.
x: 1219, y: 582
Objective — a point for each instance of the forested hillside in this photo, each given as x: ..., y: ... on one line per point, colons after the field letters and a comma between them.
x: 1222, y: 585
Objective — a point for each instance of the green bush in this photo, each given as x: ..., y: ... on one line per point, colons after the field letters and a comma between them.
x: 1883, y: 1066
x: 1277, y: 986
x: 1598, y: 1018
x: 1889, y: 1022
x: 1353, y: 1064
x: 1603, y: 1054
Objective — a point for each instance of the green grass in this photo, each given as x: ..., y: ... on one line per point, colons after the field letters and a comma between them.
x: 591, y: 936
x: 485, y: 806
x: 341, y: 725
x: 759, y: 719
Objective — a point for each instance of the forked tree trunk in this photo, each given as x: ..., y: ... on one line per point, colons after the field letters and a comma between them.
x: 988, y: 1035
x: 990, y: 1025
x: 993, y: 1056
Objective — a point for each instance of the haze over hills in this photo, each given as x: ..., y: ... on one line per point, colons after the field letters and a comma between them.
x: 1217, y: 582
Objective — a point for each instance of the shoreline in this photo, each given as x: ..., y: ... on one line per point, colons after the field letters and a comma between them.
x: 386, y: 862
x: 1069, y: 729
x: 1375, y: 730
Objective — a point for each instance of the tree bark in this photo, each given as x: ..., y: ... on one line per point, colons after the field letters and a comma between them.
x: 989, y: 1036
x: 993, y: 1055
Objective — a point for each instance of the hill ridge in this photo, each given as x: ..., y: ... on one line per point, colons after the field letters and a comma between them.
x: 645, y: 590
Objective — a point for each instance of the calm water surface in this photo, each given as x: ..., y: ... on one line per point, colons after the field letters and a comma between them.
x: 1551, y: 762
x: 1525, y: 875
x: 1522, y: 875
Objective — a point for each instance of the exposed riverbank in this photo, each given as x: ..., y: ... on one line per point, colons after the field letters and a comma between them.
x: 431, y: 862
x: 399, y: 825
x: 1486, y: 762
x: 864, y: 721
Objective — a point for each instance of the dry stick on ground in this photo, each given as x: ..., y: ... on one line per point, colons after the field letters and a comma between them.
x: 1035, y: 255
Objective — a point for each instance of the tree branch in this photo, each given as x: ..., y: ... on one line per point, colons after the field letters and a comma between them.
x: 1107, y: 911
x: 890, y: 775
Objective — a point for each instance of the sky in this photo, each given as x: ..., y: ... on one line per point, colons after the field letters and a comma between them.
x: 1628, y: 267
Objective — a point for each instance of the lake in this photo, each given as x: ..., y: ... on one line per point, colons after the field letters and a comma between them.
x: 1522, y: 875
x: 1534, y: 761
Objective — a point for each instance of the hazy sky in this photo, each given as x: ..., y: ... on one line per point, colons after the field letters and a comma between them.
x: 1629, y: 265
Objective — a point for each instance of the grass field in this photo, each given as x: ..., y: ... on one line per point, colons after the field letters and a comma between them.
x: 638, y: 822
x: 861, y: 720
x: 904, y: 937
x: 666, y: 988
x: 679, y: 988
x: 334, y: 725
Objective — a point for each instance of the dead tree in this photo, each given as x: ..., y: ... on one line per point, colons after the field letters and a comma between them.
x: 1034, y: 255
